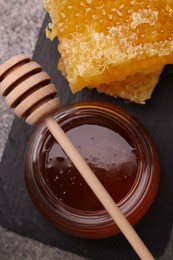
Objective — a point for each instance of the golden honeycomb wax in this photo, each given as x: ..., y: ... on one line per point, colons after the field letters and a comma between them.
x: 119, y: 47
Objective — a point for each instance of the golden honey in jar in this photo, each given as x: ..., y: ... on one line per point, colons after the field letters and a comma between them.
x: 119, y: 151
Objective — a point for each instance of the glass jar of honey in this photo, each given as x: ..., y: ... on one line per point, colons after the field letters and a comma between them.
x: 120, y: 152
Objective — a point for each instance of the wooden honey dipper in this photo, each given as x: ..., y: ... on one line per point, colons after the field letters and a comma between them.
x: 29, y: 91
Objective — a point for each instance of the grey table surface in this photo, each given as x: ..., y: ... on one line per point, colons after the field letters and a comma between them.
x: 20, y: 22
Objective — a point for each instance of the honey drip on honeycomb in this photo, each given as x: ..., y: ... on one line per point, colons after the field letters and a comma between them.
x: 119, y: 47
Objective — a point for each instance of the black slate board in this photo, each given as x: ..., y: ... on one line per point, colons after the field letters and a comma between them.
x: 17, y: 212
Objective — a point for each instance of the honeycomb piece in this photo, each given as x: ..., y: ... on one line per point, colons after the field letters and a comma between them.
x: 106, y: 43
x: 136, y: 88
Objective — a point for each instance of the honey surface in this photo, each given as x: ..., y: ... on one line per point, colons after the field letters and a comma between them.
x: 110, y: 156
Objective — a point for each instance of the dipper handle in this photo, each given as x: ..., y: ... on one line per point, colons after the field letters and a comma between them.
x: 29, y: 91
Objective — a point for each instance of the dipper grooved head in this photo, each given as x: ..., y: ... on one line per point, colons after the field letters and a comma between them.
x: 27, y: 89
